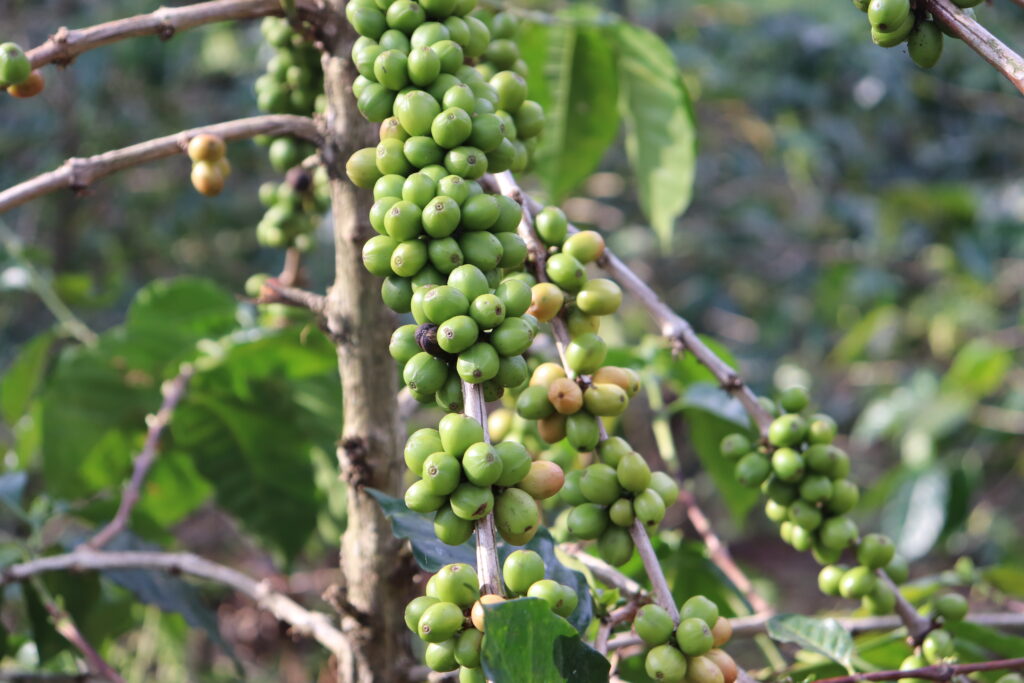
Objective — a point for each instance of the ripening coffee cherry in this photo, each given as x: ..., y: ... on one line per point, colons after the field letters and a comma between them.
x: 829, y: 578
x: 734, y: 446
x: 585, y: 354
x: 615, y: 546
x: 875, y: 551
x: 626, y: 378
x: 950, y: 606
x: 666, y: 486
x: 725, y: 664
x: 585, y: 246
x: 694, y: 636
x: 522, y: 568
x: 546, y: 301
x: 704, y: 669
x: 700, y: 607
x: 752, y: 469
x: 478, y: 614
x: 206, y: 147
x: 653, y: 624
x: 207, y: 178
x: 605, y: 400
x: 787, y: 430
x: 458, y: 432
x: 721, y: 631
x: 515, y: 462
x: 587, y: 521
x: 551, y: 428
x: 857, y: 582
x: 544, y: 480
x: 666, y: 664
x: 361, y: 167
x: 794, y: 399
x: 565, y: 395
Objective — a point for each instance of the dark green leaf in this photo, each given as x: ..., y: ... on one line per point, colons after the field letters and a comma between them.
x: 48, y: 642
x: 824, y: 636
x: 706, y: 433
x: 998, y: 642
x: 661, y: 138
x: 526, y: 641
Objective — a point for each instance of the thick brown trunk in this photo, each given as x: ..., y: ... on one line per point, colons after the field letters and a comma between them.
x: 375, y: 565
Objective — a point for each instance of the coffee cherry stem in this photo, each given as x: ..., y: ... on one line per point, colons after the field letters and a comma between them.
x: 488, y: 567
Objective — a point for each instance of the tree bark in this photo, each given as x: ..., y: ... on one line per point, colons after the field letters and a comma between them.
x: 376, y: 566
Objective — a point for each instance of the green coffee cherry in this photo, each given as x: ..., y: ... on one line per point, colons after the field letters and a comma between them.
x: 583, y: 431
x: 615, y: 546
x: 937, y: 646
x: 734, y: 446
x: 829, y: 578
x: 481, y: 464
x: 856, y: 582
x: 569, y: 274
x: 666, y: 664
x: 700, y: 607
x: 653, y: 624
x: 516, y: 296
x: 396, y: 293
x: 887, y: 15
x: 458, y: 432
x: 787, y: 430
x: 816, y: 488
x: 515, y: 462
x: 837, y: 533
x: 633, y: 473
x: 649, y: 508
x: 845, y: 495
x: 533, y: 403
x: 522, y: 569
x: 549, y: 591
x: 950, y: 606
x: 822, y: 429
x: 613, y: 449
x: 425, y: 373
x: 450, y: 528
x: 694, y: 637
x: 15, y: 67
x: 779, y: 491
x: 457, y: 583
x: 441, y: 473
x: 898, y: 569
x: 439, y: 622
x: 752, y: 469
x: 472, y: 502
x: 415, y: 609
x: 794, y: 399
x: 875, y: 551
x: 588, y: 521
x: 585, y: 354
x: 621, y: 512
x: 478, y: 363
x: 805, y: 515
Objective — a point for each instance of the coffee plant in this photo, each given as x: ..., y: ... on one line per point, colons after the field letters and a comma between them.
x: 525, y: 538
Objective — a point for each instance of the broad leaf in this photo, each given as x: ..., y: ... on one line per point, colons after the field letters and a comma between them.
x: 992, y: 640
x: 824, y: 636
x: 690, y: 573
x: 23, y: 377
x: 579, y: 94
x: 526, y: 641
x: 916, y: 514
x: 661, y: 139
x: 706, y: 433
x: 48, y: 641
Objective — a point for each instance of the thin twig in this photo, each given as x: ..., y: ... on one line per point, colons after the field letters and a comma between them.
x: 173, y: 391
x: 66, y: 627
x: 291, y: 269
x: 45, y: 291
x: 659, y: 585
x: 303, y: 621
x: 292, y: 296
x: 487, y: 565
x: 66, y: 44
x: 78, y: 173
x: 719, y: 553
x: 938, y: 672
x: 991, y: 49
x: 604, y: 572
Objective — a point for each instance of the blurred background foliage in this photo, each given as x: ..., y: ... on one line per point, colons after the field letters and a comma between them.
x: 855, y: 227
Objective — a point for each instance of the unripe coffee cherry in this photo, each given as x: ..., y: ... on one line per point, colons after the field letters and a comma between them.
x: 522, y: 568
x: 441, y: 473
x: 549, y: 591
x: 466, y: 674
x: 450, y: 528
x: 439, y: 622
x: 516, y: 515
x: 898, y: 569
x: 206, y: 147
x: 887, y: 15
x: 566, y: 272
x: 909, y: 664
x: 787, y: 430
x: 734, y: 446
x: 950, y: 606
x: 544, y: 480
x: 666, y: 486
x: 653, y: 624
x: 599, y: 296
x: 600, y: 484
x: 821, y: 430
x: 700, y: 607
x: 583, y: 431
x: 515, y: 461
x: 615, y: 546
x: 585, y: 354
x: 605, y: 400
x: 467, y: 648
x: 752, y: 469
x: 457, y: 583
x: 794, y: 399
x: 441, y: 656
x: 14, y: 64
x: 585, y: 246
x: 472, y: 502
x: 415, y: 609
x: 694, y: 637
x: 666, y: 664
x: 633, y: 473
x: 788, y: 465
x: 546, y: 373
x: 857, y: 582
x: 458, y: 432
x: 875, y: 551
x: 829, y: 578
x: 533, y: 403
x: 552, y: 225
x: 621, y: 512
x: 587, y: 521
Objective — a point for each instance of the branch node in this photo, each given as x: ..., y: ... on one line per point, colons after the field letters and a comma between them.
x: 355, y: 451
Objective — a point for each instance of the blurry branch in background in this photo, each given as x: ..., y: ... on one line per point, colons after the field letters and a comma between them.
x: 990, y: 48
x: 173, y: 391
x: 274, y: 292
x: 44, y: 290
x: 66, y: 44
x: 66, y: 627
x: 938, y: 672
x: 316, y: 625
x: 78, y: 173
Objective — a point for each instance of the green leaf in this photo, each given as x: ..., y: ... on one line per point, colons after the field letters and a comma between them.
x: 48, y: 642
x: 916, y: 513
x: 661, y: 139
x: 706, y: 432
x: 690, y: 573
x: 1007, y: 578
x: 24, y: 376
x: 824, y: 636
x: 431, y: 554
x: 526, y: 641
x: 579, y: 94
x: 716, y: 401
x: 979, y: 368
x: 998, y: 642
x: 12, y: 487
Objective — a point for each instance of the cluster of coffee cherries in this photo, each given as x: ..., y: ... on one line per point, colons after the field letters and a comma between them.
x: 609, y: 495
x: 210, y: 166
x: 411, y: 57
x: 938, y: 646
x: 292, y: 84
x: 691, y: 650
x: 451, y: 617
x: 16, y: 73
x: 462, y: 479
x: 894, y: 22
